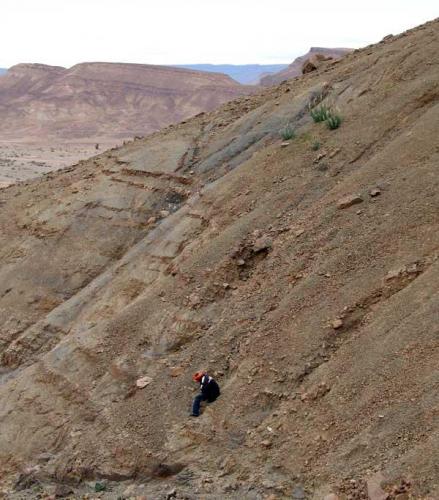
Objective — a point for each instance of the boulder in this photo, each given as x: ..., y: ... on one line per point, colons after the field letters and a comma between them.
x: 262, y: 243
x: 314, y: 62
x: 337, y: 323
x: 350, y: 200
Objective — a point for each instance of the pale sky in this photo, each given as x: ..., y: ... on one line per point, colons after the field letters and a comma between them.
x: 66, y: 32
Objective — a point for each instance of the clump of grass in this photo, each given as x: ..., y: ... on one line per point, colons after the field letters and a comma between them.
x: 315, y: 146
x: 333, y: 121
x: 321, y: 113
x: 325, y: 113
x: 288, y: 133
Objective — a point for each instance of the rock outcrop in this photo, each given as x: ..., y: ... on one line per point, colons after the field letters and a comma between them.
x: 304, y: 64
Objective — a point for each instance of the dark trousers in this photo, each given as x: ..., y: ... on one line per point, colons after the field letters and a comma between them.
x: 197, y: 403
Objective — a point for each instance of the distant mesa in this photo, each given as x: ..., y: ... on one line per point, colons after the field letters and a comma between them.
x: 102, y: 101
x: 315, y: 56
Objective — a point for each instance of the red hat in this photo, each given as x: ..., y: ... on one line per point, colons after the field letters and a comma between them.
x: 198, y: 376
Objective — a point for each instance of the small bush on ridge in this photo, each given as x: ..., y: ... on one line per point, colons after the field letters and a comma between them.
x: 333, y: 121
x: 288, y: 133
x: 321, y: 113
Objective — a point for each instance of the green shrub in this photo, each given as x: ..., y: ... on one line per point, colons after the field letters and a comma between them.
x: 324, y: 113
x: 315, y: 146
x: 99, y: 486
x: 321, y: 113
x: 288, y: 133
x: 333, y: 121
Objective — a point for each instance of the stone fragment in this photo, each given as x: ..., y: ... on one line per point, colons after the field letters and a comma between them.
x: 319, y: 157
x: 45, y: 457
x: 129, y: 491
x: 171, y: 494
x: 396, y: 273
x: 374, y: 490
x: 194, y: 299
x: 375, y: 192
x: 337, y: 323
x: 350, y: 200
x: 268, y: 484
x: 176, y: 371
x: 262, y: 243
x: 335, y: 152
x: 284, y: 144
x: 143, y: 382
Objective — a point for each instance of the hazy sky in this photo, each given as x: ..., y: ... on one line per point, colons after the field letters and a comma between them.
x: 65, y: 32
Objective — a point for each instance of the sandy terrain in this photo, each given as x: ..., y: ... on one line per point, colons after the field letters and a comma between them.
x: 21, y: 161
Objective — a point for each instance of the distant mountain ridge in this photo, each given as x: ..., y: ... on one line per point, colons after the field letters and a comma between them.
x: 247, y: 74
x: 295, y: 68
x: 105, y: 100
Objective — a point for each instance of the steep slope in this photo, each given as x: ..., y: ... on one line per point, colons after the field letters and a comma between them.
x: 102, y: 101
x: 213, y: 245
x: 295, y: 68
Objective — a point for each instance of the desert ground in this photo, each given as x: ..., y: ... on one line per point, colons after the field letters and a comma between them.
x: 21, y: 161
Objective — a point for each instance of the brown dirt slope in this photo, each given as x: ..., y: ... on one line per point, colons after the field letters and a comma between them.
x: 212, y: 244
x: 295, y: 68
x: 104, y: 101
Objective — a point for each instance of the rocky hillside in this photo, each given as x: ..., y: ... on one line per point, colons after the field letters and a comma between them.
x: 304, y: 275
x: 295, y: 68
x: 104, y: 101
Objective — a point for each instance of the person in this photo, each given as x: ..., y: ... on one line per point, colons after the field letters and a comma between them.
x: 210, y: 391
